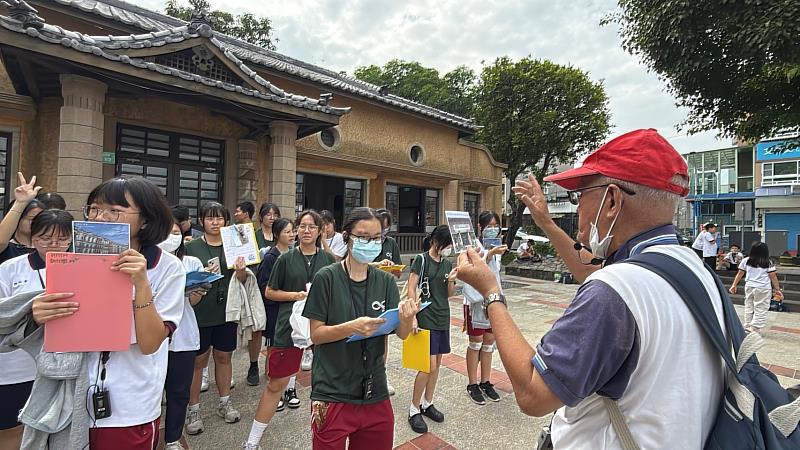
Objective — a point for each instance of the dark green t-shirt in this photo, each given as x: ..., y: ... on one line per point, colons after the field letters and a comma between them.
x: 261, y: 240
x: 390, y: 250
x: 211, y: 309
x: 291, y: 273
x: 437, y: 315
x: 339, y: 367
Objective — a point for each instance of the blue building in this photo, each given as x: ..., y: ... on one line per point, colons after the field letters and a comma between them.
x: 777, y: 197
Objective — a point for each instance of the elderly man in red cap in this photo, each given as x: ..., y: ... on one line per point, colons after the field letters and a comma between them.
x: 627, y: 335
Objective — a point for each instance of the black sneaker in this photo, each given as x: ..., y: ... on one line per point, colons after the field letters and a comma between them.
x: 489, y: 392
x: 418, y: 423
x: 281, y: 404
x: 252, y: 376
x: 475, y: 394
x: 432, y: 413
x: 290, y: 396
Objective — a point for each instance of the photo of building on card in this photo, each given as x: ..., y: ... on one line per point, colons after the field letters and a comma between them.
x: 100, y: 238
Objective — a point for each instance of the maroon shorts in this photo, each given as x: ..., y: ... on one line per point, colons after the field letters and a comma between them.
x: 284, y: 362
x: 369, y: 427
x: 468, y: 321
x: 137, y: 437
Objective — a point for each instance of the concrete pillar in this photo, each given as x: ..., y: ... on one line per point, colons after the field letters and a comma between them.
x: 247, y: 180
x: 450, y: 200
x: 377, y: 192
x: 283, y: 167
x: 80, y: 141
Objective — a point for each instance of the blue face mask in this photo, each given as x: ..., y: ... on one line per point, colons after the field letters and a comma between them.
x: 365, y: 253
x: 491, y: 232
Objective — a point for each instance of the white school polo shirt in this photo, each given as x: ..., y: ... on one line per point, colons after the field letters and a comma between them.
x: 187, y: 336
x: 136, y: 381
x: 19, y: 275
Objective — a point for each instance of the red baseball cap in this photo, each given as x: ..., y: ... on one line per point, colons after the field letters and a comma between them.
x: 641, y: 157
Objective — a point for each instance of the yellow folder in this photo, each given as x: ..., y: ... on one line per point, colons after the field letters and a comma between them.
x: 417, y: 351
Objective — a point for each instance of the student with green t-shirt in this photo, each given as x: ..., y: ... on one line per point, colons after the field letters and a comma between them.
x: 350, y: 399
x: 436, y: 286
x: 268, y: 213
x: 289, y: 281
x: 390, y: 251
x: 215, y: 332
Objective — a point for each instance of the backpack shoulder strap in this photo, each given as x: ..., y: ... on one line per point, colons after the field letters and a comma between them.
x: 694, y: 295
x: 619, y: 425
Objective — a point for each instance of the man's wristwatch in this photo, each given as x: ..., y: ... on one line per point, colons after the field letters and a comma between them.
x: 491, y: 298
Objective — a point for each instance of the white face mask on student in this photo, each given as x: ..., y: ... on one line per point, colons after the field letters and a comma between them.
x: 172, y: 243
x: 446, y: 252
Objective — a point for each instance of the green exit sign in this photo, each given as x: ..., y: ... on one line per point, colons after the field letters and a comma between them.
x: 109, y: 158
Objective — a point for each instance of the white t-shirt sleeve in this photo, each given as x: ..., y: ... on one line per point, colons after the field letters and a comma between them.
x: 192, y: 264
x: 169, y: 299
x: 338, y: 247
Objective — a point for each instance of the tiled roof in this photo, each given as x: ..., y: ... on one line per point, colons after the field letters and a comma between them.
x: 112, y: 48
x: 158, y: 23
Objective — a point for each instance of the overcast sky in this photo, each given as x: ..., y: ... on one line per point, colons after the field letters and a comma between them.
x: 344, y: 34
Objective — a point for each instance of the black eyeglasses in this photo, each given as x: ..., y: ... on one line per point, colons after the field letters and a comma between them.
x: 575, y: 195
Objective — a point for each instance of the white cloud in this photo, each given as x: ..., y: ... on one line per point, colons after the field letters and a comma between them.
x: 345, y: 34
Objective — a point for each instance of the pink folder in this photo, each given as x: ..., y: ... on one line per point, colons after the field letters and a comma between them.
x: 104, y: 316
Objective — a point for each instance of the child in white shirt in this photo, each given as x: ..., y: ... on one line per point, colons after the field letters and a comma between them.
x: 761, y: 279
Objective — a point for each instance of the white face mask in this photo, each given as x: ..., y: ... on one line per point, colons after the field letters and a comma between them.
x: 445, y: 252
x: 599, y: 247
x: 172, y: 243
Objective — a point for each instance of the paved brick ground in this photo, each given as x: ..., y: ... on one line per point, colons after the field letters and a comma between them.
x: 535, y: 305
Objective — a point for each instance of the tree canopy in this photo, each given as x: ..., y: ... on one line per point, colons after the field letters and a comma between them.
x: 734, y: 63
x: 536, y: 113
x: 453, y: 92
x: 247, y: 27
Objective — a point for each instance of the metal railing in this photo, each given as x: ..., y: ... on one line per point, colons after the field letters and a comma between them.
x: 409, y: 242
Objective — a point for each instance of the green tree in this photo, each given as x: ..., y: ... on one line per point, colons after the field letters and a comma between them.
x: 247, y: 27
x: 536, y: 113
x: 454, y: 92
x: 734, y: 63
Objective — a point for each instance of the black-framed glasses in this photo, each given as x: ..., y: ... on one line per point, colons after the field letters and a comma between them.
x: 367, y: 239
x: 93, y: 212
x: 575, y: 195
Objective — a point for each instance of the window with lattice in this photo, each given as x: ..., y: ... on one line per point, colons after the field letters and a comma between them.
x: 199, y: 61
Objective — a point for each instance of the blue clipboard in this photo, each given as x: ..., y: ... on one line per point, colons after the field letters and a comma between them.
x: 392, y: 317
x: 200, y: 277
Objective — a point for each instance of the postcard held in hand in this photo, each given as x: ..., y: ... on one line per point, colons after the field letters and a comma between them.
x: 240, y: 240
x: 104, y: 317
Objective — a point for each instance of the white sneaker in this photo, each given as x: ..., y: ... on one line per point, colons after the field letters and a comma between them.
x: 308, y: 359
x: 194, y: 423
x: 390, y: 388
x: 228, y: 412
x: 246, y: 446
x: 204, y: 382
x: 173, y: 446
